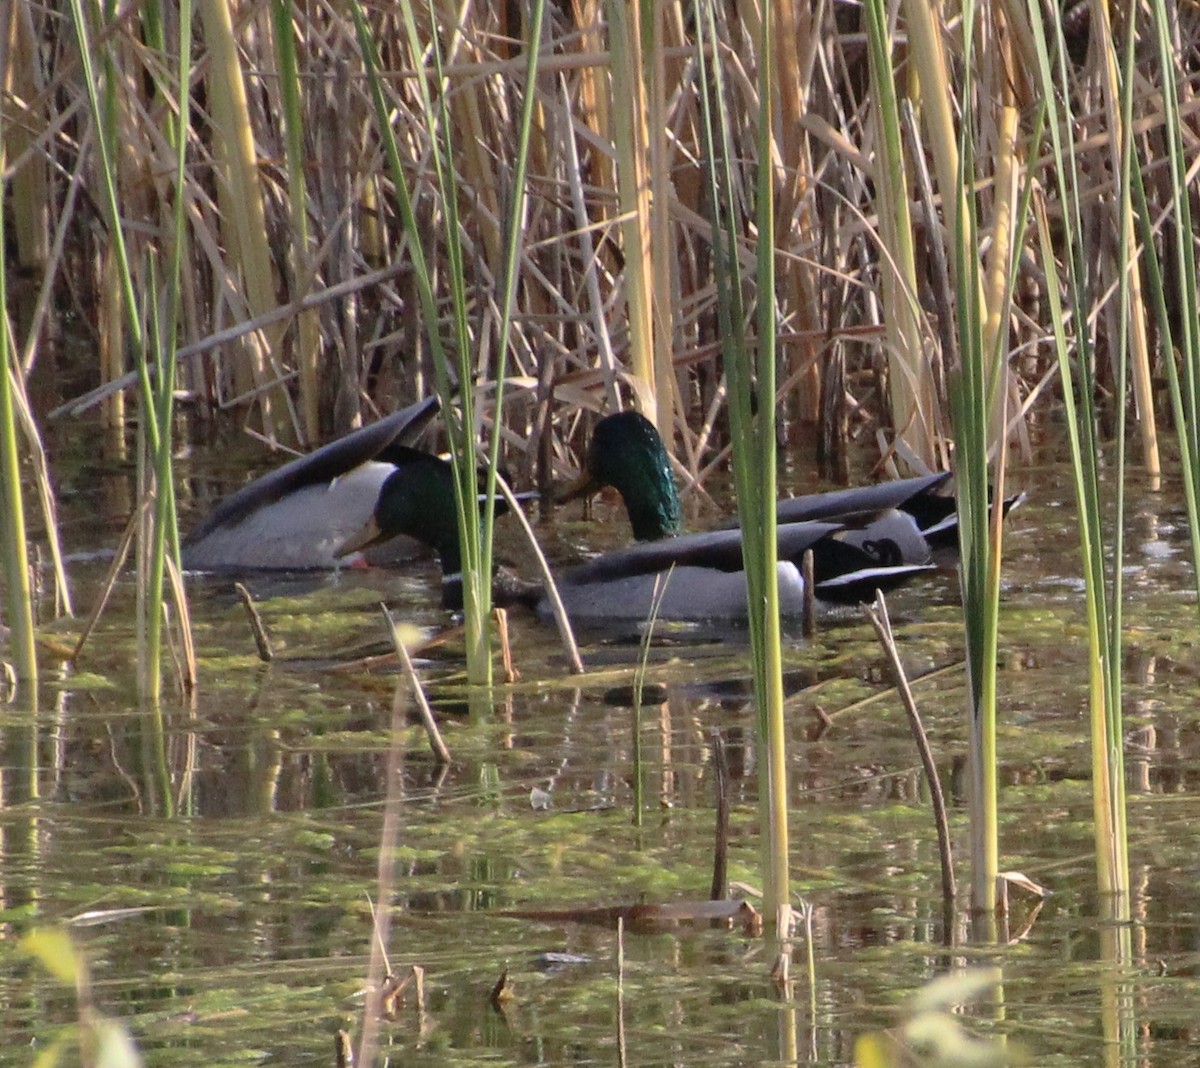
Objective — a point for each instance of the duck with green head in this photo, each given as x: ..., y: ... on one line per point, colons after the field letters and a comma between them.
x: 295, y: 517
x: 700, y: 576
x: 899, y: 522
x: 905, y: 521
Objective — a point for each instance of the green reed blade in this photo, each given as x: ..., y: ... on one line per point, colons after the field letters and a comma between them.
x: 12, y: 519
x: 1078, y: 396
x: 752, y: 431
x: 461, y: 431
x: 510, y: 266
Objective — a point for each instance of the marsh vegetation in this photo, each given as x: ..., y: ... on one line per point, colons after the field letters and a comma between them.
x: 852, y: 243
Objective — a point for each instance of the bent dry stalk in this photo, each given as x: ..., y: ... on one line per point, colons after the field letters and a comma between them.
x: 878, y: 615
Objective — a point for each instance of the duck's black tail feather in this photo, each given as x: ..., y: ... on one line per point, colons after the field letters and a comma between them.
x: 942, y: 531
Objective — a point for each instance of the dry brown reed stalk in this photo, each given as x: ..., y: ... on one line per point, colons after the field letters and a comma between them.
x: 242, y: 214
x: 631, y: 140
x: 45, y: 493
x: 29, y: 225
x: 30, y: 194
x: 911, y: 384
x: 797, y: 226
x: 1104, y: 60
x: 300, y: 260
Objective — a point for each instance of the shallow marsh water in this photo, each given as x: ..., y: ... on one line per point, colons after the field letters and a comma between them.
x: 246, y: 833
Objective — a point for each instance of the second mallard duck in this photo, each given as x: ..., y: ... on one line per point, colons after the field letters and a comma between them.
x: 905, y: 521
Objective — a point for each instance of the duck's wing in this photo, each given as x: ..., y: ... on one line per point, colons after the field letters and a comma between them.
x: 912, y: 495
x: 717, y: 550
x: 890, y: 544
x: 682, y: 594
x: 320, y: 467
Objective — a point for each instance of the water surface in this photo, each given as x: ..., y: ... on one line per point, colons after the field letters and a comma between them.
x: 245, y: 827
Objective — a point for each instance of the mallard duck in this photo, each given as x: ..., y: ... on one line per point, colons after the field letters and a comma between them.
x: 296, y: 517
x: 701, y: 577
x: 417, y: 500
x: 701, y: 574
x: 905, y: 521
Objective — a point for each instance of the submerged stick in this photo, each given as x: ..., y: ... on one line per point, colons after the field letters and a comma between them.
x: 878, y: 615
x: 261, y: 638
x: 721, y: 849
x: 436, y: 742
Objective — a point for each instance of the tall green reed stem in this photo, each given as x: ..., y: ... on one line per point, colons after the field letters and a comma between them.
x: 978, y: 367
x: 518, y: 201
x: 979, y: 576
x: 751, y: 372
x: 460, y: 425
x: 12, y: 508
x: 157, y: 397
x: 462, y: 429
x: 1076, y: 361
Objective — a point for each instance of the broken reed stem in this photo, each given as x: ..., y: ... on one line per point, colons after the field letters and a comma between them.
x: 80, y: 404
x: 426, y: 713
x: 110, y: 580
x: 502, y: 993
x: 189, y: 673
x: 810, y: 958
x: 36, y: 455
x: 501, y: 617
x: 807, y: 572
x: 721, y: 848
x: 8, y: 675
x: 878, y: 615
x: 261, y: 638
x: 343, y: 1053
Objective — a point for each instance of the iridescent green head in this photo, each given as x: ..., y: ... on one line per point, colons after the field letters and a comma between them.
x: 417, y: 500
x: 627, y: 454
